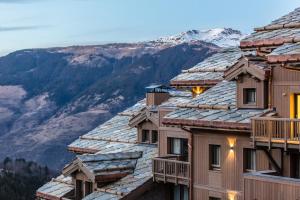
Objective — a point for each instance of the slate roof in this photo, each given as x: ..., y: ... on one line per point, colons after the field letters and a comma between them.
x: 273, y: 35
x: 116, y: 129
x: 286, y: 29
x: 141, y: 174
x: 290, y: 18
x: 223, y: 94
x: 209, y: 71
x: 97, y: 163
x: 287, y: 49
x: 177, y: 97
x: 57, y: 187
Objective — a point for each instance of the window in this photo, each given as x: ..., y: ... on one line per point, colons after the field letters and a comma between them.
x: 145, y: 135
x: 295, y: 165
x: 154, y: 137
x: 214, y: 157
x: 88, y: 188
x: 214, y: 198
x: 249, y: 96
x: 178, y: 146
x: 180, y: 192
x: 249, y: 160
x: 79, y: 191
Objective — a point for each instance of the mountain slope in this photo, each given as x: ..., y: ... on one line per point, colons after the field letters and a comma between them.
x: 48, y: 97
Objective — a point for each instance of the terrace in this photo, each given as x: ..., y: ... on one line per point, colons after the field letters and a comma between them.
x: 171, y: 170
x: 276, y: 132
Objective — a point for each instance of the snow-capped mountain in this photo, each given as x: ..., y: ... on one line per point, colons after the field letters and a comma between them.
x: 223, y: 37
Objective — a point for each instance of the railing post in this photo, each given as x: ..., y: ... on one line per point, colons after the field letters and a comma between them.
x: 285, y: 134
x: 164, y: 166
x: 153, y: 169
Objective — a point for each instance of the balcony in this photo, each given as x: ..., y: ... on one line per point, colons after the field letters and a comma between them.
x: 276, y: 132
x: 171, y: 170
x: 263, y: 185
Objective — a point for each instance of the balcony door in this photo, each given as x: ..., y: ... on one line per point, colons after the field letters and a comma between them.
x: 180, y: 192
x: 297, y: 106
x: 295, y: 114
x: 179, y: 147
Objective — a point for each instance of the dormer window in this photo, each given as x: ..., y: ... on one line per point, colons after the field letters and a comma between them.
x: 249, y: 96
x: 154, y: 137
x: 145, y: 136
x: 196, y: 91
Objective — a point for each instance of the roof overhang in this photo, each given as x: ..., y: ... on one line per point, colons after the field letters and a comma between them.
x: 246, y: 66
x: 208, y: 124
x: 275, y: 59
x: 193, y: 83
x: 268, y: 42
x: 143, y: 115
x: 47, y: 196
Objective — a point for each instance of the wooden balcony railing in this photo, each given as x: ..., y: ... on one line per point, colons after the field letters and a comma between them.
x: 171, y: 170
x: 276, y: 130
x: 260, y: 185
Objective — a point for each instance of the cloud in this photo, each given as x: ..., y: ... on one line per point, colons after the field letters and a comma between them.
x: 18, y: 28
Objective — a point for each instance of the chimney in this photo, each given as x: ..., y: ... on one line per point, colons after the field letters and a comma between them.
x: 156, y: 94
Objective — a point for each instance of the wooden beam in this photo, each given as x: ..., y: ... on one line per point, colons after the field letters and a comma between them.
x: 272, y: 161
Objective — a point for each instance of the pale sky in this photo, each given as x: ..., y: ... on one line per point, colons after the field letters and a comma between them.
x: 48, y: 23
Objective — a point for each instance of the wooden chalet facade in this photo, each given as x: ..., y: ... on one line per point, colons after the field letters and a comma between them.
x: 229, y: 131
x: 240, y: 139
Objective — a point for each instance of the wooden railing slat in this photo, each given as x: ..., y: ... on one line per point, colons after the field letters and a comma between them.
x: 270, y: 130
x: 169, y: 170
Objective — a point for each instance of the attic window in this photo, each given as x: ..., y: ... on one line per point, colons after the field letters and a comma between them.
x: 145, y: 136
x: 249, y: 96
x: 154, y: 137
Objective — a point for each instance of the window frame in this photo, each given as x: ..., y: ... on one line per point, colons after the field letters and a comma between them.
x: 145, y: 132
x: 182, y: 192
x: 88, y: 188
x: 183, y: 142
x: 246, y: 100
x: 215, y: 155
x: 249, y: 159
x: 154, y: 132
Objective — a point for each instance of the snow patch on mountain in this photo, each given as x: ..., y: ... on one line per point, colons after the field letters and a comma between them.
x: 223, y: 37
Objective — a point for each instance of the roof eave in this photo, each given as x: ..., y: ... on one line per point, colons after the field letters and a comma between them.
x: 209, y: 124
x: 267, y: 42
x: 191, y: 83
x: 275, y: 59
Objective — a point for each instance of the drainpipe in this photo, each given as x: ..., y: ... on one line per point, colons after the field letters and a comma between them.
x: 192, y: 167
x: 190, y: 161
x: 191, y: 155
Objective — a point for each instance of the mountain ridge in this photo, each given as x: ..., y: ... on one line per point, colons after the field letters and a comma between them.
x: 50, y: 96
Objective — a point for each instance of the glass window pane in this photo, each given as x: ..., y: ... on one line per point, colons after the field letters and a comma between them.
x: 145, y: 135
x: 176, y: 192
x: 176, y: 144
x: 154, y: 137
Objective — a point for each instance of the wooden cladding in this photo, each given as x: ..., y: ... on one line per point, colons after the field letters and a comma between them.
x: 156, y: 98
x: 284, y: 131
x: 169, y: 169
x: 251, y: 93
x: 261, y: 187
